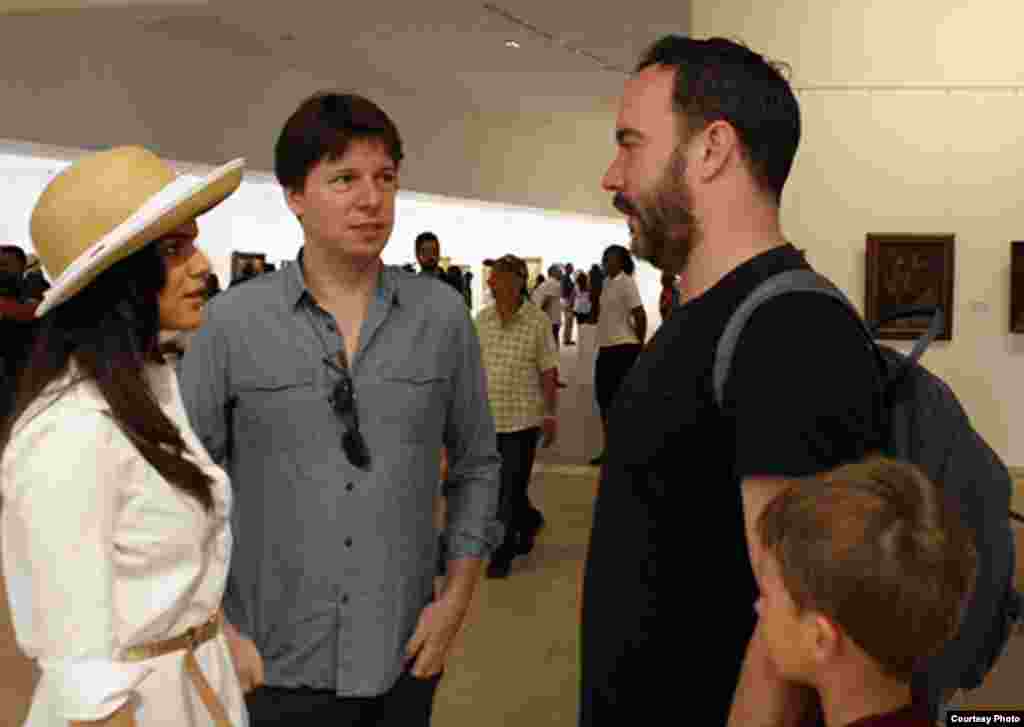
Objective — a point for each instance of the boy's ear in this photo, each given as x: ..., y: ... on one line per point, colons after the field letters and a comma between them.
x: 827, y: 637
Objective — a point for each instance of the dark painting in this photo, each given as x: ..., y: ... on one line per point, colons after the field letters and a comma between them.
x: 909, y: 270
x: 247, y: 265
x: 1017, y: 287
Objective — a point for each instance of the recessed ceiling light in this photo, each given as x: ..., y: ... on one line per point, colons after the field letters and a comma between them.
x: 512, y: 44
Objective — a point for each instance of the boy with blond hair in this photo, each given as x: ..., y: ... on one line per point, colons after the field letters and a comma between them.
x: 863, y: 571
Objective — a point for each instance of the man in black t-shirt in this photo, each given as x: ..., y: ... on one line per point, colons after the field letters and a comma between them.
x: 707, y: 131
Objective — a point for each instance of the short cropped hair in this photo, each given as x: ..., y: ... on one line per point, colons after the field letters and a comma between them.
x: 875, y: 547
x: 426, y: 236
x: 323, y: 127
x: 720, y: 80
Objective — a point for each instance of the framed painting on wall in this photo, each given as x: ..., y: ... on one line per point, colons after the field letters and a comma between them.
x: 245, y: 265
x: 1017, y: 287
x: 534, y: 267
x: 909, y: 270
x: 486, y: 296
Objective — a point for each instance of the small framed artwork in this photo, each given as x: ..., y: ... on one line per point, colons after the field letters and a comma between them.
x: 245, y: 265
x: 1017, y: 287
x: 909, y: 270
x: 534, y: 267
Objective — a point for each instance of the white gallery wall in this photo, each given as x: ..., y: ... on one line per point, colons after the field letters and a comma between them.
x: 256, y: 219
x: 912, y: 116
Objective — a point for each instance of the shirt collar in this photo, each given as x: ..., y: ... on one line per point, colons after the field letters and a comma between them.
x: 517, y: 314
x: 296, y: 289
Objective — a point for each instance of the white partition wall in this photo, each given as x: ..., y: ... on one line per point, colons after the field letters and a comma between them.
x: 256, y: 219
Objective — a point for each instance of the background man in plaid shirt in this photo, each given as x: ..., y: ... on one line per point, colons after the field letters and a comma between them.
x: 521, y: 361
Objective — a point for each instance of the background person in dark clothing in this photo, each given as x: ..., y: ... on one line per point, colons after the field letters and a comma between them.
x: 458, y: 280
x: 17, y: 322
x: 669, y: 298
x: 568, y: 304
x: 596, y: 281
x: 13, y: 262
x: 428, y: 254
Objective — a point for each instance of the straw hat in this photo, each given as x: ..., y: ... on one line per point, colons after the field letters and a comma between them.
x: 108, y: 205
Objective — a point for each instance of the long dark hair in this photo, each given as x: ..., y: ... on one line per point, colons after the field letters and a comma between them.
x: 112, y: 329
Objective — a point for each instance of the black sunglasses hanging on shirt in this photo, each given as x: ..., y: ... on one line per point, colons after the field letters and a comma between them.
x: 343, y: 401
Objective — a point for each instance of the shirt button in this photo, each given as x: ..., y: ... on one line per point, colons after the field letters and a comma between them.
x: 344, y: 599
x: 350, y: 487
x: 332, y: 328
x: 348, y: 542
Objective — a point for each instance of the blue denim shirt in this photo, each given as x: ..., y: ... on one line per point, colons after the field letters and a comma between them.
x: 332, y: 564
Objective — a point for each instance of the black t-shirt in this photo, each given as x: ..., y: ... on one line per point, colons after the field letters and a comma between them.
x: 909, y: 716
x: 669, y: 592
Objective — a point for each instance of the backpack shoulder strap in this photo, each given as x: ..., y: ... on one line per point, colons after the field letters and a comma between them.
x: 792, y: 281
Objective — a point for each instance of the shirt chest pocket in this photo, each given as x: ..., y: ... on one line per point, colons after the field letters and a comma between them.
x: 409, y: 404
x: 280, y: 410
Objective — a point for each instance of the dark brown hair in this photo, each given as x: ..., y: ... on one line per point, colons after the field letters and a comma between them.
x: 323, y: 127
x: 876, y: 548
x: 425, y: 237
x: 718, y: 79
x: 16, y: 252
x: 111, y: 328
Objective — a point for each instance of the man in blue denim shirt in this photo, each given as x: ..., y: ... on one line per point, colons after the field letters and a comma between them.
x: 327, y: 391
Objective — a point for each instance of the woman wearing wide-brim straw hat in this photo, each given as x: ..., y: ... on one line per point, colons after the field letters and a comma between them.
x: 116, y: 535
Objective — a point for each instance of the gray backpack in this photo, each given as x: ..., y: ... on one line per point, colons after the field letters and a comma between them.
x: 926, y: 425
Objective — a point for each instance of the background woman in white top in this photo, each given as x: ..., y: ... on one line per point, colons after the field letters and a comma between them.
x: 581, y: 304
x: 116, y: 536
x: 621, y: 329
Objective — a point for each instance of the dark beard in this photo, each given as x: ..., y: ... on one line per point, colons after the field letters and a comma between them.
x: 666, y: 230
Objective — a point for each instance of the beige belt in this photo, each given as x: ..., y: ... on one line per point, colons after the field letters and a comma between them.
x: 188, y: 642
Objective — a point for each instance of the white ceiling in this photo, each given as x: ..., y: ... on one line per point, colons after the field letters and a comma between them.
x: 452, y: 49
x: 449, y: 56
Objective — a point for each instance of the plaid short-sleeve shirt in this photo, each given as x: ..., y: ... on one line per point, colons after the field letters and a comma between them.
x: 515, y: 354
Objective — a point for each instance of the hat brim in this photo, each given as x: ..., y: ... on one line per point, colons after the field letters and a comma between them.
x: 166, y: 211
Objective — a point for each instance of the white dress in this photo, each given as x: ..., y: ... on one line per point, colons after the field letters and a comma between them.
x: 101, y: 553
